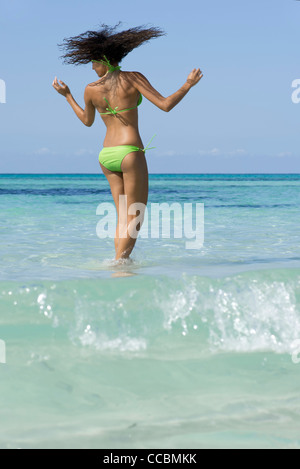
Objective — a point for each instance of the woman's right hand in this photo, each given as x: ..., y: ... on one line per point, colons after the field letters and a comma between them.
x: 194, y: 77
x: 61, y: 88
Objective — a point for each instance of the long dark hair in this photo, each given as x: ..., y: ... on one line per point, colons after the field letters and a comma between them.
x: 94, y: 45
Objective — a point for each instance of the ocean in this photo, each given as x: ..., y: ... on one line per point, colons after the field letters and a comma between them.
x: 180, y: 348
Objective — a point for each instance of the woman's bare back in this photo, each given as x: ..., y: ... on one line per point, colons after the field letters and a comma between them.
x: 119, y: 91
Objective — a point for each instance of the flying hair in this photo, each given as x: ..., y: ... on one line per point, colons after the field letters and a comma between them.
x: 106, y: 42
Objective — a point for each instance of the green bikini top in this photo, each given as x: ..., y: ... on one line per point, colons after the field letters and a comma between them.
x: 114, y: 111
x: 110, y: 110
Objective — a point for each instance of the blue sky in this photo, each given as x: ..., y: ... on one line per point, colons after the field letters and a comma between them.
x: 240, y: 118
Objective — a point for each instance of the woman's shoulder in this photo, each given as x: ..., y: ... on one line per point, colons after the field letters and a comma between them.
x: 133, y: 73
x: 94, y: 83
x: 134, y: 77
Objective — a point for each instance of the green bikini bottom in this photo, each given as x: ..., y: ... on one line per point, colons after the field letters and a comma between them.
x: 112, y: 157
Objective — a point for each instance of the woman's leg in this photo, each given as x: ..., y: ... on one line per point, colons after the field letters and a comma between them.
x: 115, y: 180
x: 135, y: 179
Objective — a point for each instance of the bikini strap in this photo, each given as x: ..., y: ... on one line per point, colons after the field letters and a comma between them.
x: 114, y: 111
x: 147, y: 146
x: 110, y: 109
x: 111, y: 68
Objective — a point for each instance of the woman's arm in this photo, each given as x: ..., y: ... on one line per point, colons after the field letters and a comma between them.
x: 87, y: 116
x: 165, y: 104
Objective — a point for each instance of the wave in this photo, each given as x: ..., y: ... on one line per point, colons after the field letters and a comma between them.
x: 189, y: 316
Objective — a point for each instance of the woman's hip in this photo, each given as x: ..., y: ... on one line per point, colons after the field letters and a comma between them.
x: 112, y: 157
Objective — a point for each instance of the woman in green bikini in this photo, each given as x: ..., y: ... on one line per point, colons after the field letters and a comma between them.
x: 116, y: 96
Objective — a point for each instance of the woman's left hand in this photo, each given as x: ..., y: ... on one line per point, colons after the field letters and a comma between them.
x: 61, y: 89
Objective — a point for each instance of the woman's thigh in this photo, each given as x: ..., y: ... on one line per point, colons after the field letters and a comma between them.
x: 115, y: 180
x: 135, y: 177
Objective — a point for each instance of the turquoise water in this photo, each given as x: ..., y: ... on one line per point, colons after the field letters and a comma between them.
x: 181, y: 348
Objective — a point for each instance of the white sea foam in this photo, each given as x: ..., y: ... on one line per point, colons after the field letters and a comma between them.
x: 121, y: 344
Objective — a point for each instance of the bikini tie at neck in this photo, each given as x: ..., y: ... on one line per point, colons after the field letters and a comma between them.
x: 111, y: 68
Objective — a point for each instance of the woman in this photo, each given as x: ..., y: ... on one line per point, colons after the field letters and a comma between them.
x: 116, y: 96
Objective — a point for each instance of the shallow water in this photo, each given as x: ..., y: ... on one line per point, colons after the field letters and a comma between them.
x: 180, y: 348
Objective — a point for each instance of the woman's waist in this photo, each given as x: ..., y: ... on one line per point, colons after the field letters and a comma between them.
x: 119, y: 139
